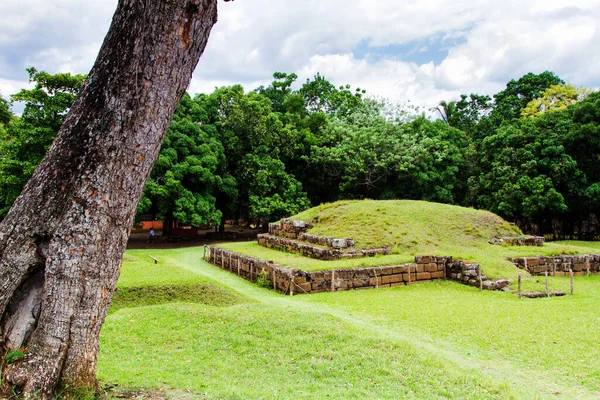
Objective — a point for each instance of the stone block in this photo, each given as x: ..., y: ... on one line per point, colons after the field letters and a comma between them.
x: 470, y: 273
x: 423, y: 276
x: 358, y: 283
x: 306, y: 286
x: 344, y: 274
x: 395, y: 278
x: 340, y: 243
x: 488, y: 285
x: 386, y: 270
x: 424, y: 259
x: 386, y: 279
x: 296, y: 223
x: 470, y: 266
x: 420, y: 267
x: 399, y: 269
x: 437, y: 275
x: 431, y: 267
x: 502, y: 283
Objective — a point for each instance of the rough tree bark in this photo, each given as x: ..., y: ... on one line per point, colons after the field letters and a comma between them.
x: 62, y: 242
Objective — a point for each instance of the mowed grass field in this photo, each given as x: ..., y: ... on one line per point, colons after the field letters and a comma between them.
x: 191, y: 330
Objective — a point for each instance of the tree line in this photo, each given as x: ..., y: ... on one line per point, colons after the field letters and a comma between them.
x: 528, y: 153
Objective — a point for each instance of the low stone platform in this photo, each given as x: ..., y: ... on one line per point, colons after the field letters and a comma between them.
x: 290, y: 280
x: 292, y: 236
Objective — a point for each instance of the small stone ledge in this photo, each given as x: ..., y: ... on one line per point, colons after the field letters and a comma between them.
x: 519, y: 241
x: 297, y: 230
x: 537, y: 295
x: 315, y: 251
x: 327, y: 241
x: 289, y: 228
x: 559, y: 265
x: 290, y: 280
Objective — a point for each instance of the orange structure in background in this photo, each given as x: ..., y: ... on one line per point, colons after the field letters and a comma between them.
x: 147, y: 225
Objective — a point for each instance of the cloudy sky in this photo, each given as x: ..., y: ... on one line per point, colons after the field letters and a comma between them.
x: 422, y: 51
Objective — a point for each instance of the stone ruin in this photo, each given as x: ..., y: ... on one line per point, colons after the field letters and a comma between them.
x: 292, y: 236
x: 290, y: 280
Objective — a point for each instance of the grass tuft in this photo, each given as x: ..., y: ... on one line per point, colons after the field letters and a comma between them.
x: 154, y: 295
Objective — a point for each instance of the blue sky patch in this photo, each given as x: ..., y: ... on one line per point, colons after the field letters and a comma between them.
x: 421, y: 51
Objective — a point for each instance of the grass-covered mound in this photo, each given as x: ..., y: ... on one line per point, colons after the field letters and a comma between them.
x: 144, y: 283
x: 406, y: 225
x: 414, y: 228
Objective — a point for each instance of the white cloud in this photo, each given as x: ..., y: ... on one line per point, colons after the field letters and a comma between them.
x: 483, y: 43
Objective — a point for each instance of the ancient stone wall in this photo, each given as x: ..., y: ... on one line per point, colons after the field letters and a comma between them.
x: 289, y: 228
x: 559, y: 265
x: 317, y: 251
x: 291, y: 280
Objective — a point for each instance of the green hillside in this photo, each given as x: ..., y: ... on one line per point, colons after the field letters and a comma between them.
x: 406, y: 225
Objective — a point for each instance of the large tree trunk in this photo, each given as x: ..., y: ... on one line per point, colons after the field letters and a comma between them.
x: 62, y: 242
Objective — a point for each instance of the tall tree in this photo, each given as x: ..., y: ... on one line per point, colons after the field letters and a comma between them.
x: 446, y: 111
x: 556, y: 97
x: 28, y: 138
x: 5, y: 114
x: 184, y: 180
x: 62, y: 242
x: 509, y: 102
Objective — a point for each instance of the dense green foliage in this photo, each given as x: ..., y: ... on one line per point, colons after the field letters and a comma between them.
x: 24, y: 141
x: 529, y: 153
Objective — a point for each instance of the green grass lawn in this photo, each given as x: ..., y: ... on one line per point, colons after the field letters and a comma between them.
x: 433, y: 340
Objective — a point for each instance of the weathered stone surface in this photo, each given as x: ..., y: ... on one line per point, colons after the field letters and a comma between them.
x: 437, y: 275
x: 470, y: 273
x: 488, y: 285
x: 298, y: 224
x: 519, y: 241
x: 292, y: 245
x: 502, y: 283
x: 339, y: 243
x: 400, y: 269
x: 423, y: 276
x: 431, y: 267
x: 558, y: 265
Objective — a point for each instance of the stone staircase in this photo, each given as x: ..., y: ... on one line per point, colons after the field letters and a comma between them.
x: 292, y: 236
